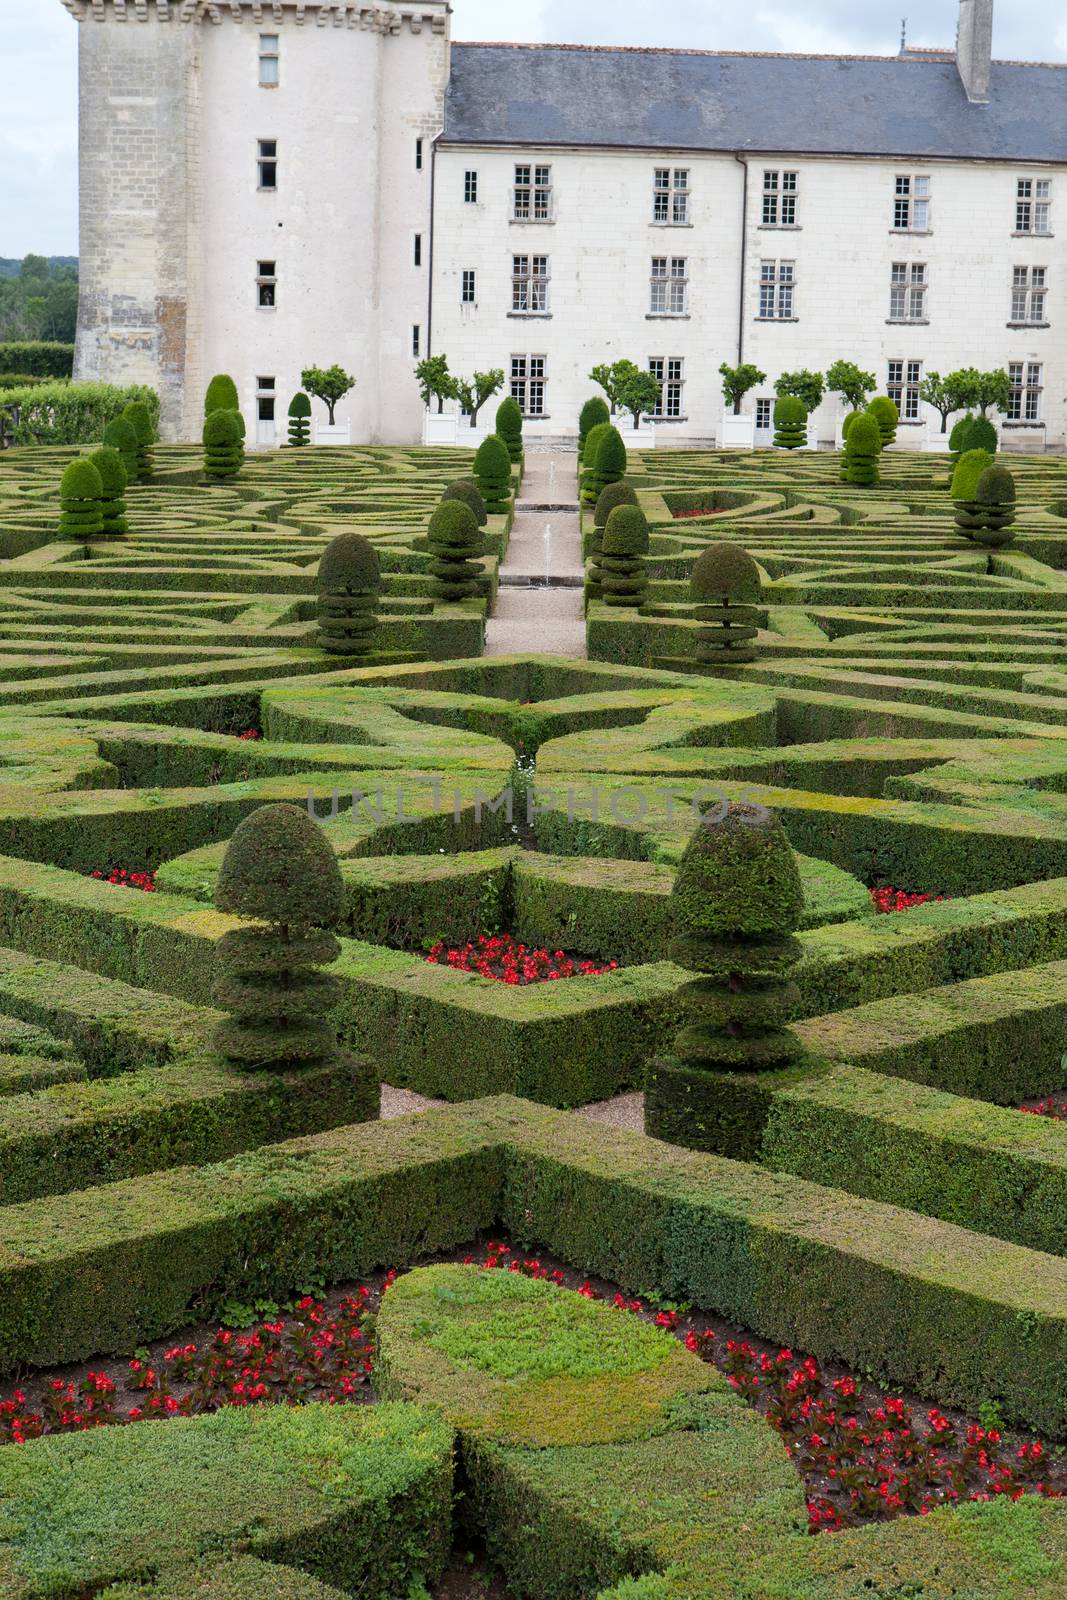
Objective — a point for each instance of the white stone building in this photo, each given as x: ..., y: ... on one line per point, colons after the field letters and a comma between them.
x: 268, y: 184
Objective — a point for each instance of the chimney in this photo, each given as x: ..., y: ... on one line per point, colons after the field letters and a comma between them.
x: 974, y: 48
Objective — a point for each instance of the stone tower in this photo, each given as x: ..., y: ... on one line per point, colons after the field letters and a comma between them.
x: 256, y: 198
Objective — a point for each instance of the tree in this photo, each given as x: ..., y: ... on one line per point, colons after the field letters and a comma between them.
x: 945, y: 395
x: 639, y: 394
x: 81, y: 496
x: 435, y: 381
x: 474, y: 392
x: 725, y: 586
x: 329, y: 385
x: 612, y: 378
x: 986, y: 390
x: 846, y: 379
x: 455, y: 542
x: 221, y: 395
x: 737, y: 381
x: 348, y: 583
x: 803, y: 385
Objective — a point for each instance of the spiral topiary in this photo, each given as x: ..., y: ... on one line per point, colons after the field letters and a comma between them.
x: 509, y: 426
x: 994, y: 506
x: 492, y: 475
x: 736, y: 904
x: 349, y: 582
x: 108, y: 464
x: 466, y: 490
x: 455, y: 542
x: 221, y: 395
x: 119, y: 435
x: 964, y: 490
x: 136, y: 414
x: 845, y: 426
x: 609, y: 464
x: 81, y: 495
x: 885, y: 413
x: 618, y: 575
x: 299, y: 420
x: 863, y: 448
x: 279, y: 872
x: 223, y: 454
x: 725, y: 584
x: 790, y: 423
x: 593, y: 413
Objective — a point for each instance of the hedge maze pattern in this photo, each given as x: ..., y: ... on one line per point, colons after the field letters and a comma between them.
x: 880, y: 1202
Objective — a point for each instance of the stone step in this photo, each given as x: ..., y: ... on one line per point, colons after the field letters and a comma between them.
x: 569, y: 506
x: 535, y: 580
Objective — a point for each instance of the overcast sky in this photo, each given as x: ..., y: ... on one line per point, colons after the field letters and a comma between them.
x: 38, y: 84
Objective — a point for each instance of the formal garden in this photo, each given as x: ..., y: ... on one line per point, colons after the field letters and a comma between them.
x: 520, y: 1125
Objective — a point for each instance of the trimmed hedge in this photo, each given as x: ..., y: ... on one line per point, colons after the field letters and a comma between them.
x: 37, y: 358
x: 74, y: 413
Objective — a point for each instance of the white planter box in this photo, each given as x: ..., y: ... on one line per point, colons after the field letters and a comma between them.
x: 340, y: 433
x: 738, y: 432
x: 639, y: 438
x: 813, y: 435
x: 935, y: 439
x: 439, y: 427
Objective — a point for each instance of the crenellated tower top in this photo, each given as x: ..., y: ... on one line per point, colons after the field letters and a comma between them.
x: 381, y: 17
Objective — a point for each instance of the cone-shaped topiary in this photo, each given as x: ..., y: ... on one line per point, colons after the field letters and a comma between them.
x: 349, y: 582
x: 492, y: 475
x: 455, y: 543
x: 957, y: 438
x: 994, y: 506
x: 609, y: 465
x: 863, y: 447
x: 790, y: 423
x: 725, y: 584
x: 119, y: 435
x: 299, y: 420
x: 615, y: 494
x: 136, y: 414
x: 223, y: 455
x: 81, y: 496
x: 466, y: 490
x: 221, y: 395
x: 592, y: 413
x: 969, y: 469
x: 108, y: 464
x: 618, y: 573
x: 509, y: 426
x: 280, y: 872
x: 736, y: 903
x: 886, y: 415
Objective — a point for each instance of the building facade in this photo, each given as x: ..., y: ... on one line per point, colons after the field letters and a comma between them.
x: 269, y: 184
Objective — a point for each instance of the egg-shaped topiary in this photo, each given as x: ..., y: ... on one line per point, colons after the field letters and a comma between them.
x: 790, y: 423
x: 221, y: 395
x: 969, y: 469
x: 299, y: 420
x: 885, y: 413
x: 993, y: 509
x: 81, y: 495
x: 863, y: 448
x: 455, y: 543
x: 223, y: 453
x: 109, y: 465
x: 119, y: 435
x: 618, y: 574
x: 725, y: 572
x: 492, y: 475
x: 466, y: 490
x: 509, y: 426
x: 137, y: 415
x: 725, y: 584
x: 349, y: 582
x: 614, y: 494
x: 594, y: 412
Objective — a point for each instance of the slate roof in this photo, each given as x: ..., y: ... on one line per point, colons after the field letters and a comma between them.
x: 908, y: 105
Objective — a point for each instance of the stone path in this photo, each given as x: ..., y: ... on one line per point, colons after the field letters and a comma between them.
x: 539, y: 607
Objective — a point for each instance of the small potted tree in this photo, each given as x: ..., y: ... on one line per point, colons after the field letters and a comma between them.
x: 738, y: 432
x: 639, y: 394
x: 436, y: 384
x: 945, y: 396
x: 808, y: 388
x: 330, y: 385
x: 472, y: 393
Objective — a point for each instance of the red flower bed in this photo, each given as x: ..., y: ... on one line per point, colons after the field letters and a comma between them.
x: 499, y: 957
x: 1055, y: 1110
x: 253, y: 733
x: 709, y: 511
x: 127, y: 878
x: 887, y: 900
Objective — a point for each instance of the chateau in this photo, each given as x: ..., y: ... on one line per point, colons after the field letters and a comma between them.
x: 270, y: 184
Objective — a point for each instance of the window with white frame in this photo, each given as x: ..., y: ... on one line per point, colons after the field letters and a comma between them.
x: 528, y: 384
x: 469, y: 292
x: 267, y: 163
x: 266, y: 395
x: 902, y: 387
x: 669, y: 373
x: 533, y: 194
x: 1033, y: 205
x: 269, y: 60
x: 1024, y: 402
x: 529, y: 284
x: 779, y: 199
x: 907, y: 291
x: 911, y: 205
x: 266, y: 284
x: 1029, y: 291
x: 669, y: 286
x: 764, y: 415
x: 777, y: 291
x: 470, y: 188
x: 670, y: 196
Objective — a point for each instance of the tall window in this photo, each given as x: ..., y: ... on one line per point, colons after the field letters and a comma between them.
x: 777, y: 288
x: 670, y: 286
x: 1033, y: 205
x: 1029, y: 291
x: 267, y: 284
x: 533, y: 194
x: 1024, y: 404
x: 779, y: 199
x: 764, y: 415
x: 418, y: 155
x: 265, y: 399
x: 911, y: 205
x: 529, y: 283
x: 268, y: 163
x: 907, y: 292
x: 418, y: 249
x: 670, y: 195
x: 903, y: 388
x: 669, y: 373
x: 528, y: 383
x: 468, y: 294
x: 416, y: 340
x: 269, y: 54
x: 470, y: 188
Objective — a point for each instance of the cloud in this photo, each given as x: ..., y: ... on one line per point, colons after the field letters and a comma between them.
x: 38, y: 128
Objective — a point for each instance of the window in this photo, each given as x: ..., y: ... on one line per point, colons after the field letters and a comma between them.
x: 764, y: 416
x: 418, y: 249
x: 265, y: 398
x: 669, y: 373
x: 418, y: 155
x: 911, y: 205
x: 903, y: 388
x: 776, y: 290
x: 670, y: 286
x: 528, y: 384
x: 470, y: 188
x: 670, y: 196
x: 266, y: 284
x: 533, y: 194
x: 1029, y: 288
x: 907, y: 292
x: 529, y: 283
x: 1033, y: 205
x: 268, y: 60
x: 1024, y: 404
x: 469, y: 293
x: 416, y: 340
x: 779, y: 199
x: 268, y: 163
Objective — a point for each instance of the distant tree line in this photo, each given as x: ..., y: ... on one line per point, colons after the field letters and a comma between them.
x: 38, y: 299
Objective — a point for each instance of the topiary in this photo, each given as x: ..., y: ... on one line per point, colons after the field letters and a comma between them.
x: 349, y: 582
x: 619, y: 574
x: 886, y: 415
x: 848, y: 421
x: 994, y: 506
x: 492, y: 475
x: 466, y: 491
x: 964, y: 489
x: 108, y: 464
x: 119, y: 435
x: 790, y: 423
x: 592, y: 444
x: 981, y: 435
x: 509, y: 426
x: 279, y: 872
x: 957, y: 438
x: 221, y: 395
x: 609, y: 465
x: 299, y: 420
x: 863, y: 447
x: 455, y: 541
x: 593, y: 413
x: 81, y: 495
x: 223, y: 455
x: 614, y: 494
x: 725, y: 584
x: 736, y: 904
x: 136, y: 414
